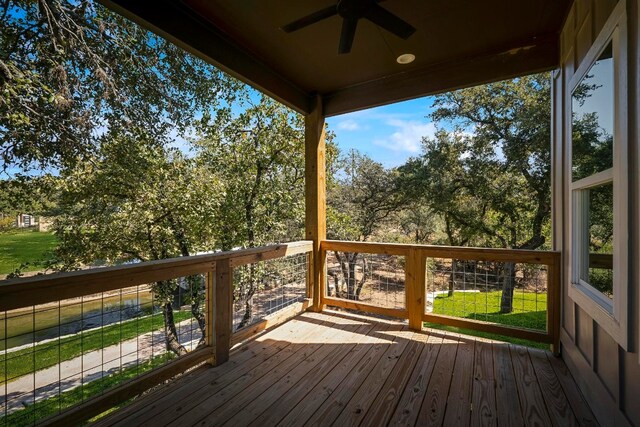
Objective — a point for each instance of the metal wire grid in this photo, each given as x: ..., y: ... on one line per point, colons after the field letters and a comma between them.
x: 265, y: 287
x: 55, y: 355
x: 375, y: 279
x: 480, y: 290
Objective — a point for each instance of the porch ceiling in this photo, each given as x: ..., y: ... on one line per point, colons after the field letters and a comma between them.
x: 457, y: 43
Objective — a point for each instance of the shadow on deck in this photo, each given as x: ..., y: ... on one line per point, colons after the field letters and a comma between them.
x: 346, y: 370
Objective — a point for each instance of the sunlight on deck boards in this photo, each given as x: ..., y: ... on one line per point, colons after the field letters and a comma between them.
x: 335, y: 368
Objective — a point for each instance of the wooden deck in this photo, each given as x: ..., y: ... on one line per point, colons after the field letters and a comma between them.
x: 338, y: 369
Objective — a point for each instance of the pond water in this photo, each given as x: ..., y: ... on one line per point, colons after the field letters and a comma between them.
x: 20, y: 327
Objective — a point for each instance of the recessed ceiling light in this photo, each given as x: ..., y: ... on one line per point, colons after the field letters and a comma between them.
x: 406, y: 58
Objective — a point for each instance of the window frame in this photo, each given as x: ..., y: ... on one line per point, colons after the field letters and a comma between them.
x: 611, y: 315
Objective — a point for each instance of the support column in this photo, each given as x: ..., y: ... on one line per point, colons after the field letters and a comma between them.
x: 415, y: 287
x: 315, y: 199
x: 223, y: 319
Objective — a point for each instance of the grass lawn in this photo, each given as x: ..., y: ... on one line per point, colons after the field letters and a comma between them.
x: 42, y: 409
x: 27, y: 360
x: 529, y: 311
x: 22, y: 246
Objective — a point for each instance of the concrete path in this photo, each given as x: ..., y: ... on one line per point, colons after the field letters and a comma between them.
x: 91, y: 366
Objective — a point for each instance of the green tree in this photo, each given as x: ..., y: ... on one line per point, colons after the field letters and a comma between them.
x: 361, y: 199
x: 489, y: 177
x: 72, y: 71
x: 135, y: 201
x: 34, y: 195
x: 417, y: 222
x: 259, y: 155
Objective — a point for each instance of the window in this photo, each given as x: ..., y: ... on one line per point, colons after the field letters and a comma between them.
x: 599, y: 182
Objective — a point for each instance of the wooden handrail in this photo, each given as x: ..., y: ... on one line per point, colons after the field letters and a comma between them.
x: 26, y: 292
x: 434, y: 251
x: 416, y: 255
x: 219, y: 336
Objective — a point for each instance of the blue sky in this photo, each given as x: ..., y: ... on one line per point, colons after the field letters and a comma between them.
x: 389, y: 134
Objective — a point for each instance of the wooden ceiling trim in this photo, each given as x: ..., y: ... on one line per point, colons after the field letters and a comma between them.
x: 176, y: 23
x: 527, y: 59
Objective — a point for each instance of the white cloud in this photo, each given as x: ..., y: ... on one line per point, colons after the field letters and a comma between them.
x: 408, y: 136
x: 348, y: 124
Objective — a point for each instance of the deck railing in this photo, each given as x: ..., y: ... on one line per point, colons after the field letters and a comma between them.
x: 76, y: 344
x: 118, y: 342
x: 515, y: 293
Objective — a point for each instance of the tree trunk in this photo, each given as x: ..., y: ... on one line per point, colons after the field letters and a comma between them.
x: 248, y: 303
x: 508, y: 286
x: 171, y: 334
x: 351, y: 280
x: 363, y: 279
x: 248, y: 312
x: 195, y: 293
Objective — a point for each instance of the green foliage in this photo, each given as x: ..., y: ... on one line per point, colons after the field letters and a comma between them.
x: 489, y: 177
x: 7, y: 223
x: 25, y: 249
x: 33, y: 195
x: 361, y: 199
x: 259, y: 156
x: 135, y: 201
x: 73, y: 73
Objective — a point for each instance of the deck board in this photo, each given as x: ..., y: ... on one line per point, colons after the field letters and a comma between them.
x: 385, y: 404
x: 434, y: 403
x: 483, y: 391
x: 335, y: 368
x: 339, y: 399
x: 459, y: 399
x: 532, y: 403
x: 300, y: 413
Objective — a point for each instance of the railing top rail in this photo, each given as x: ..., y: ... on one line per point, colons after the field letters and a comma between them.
x: 26, y: 292
x: 457, y: 252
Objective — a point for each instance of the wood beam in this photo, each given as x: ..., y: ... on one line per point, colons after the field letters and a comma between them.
x: 510, y: 61
x: 223, y: 316
x: 415, y: 280
x: 315, y: 198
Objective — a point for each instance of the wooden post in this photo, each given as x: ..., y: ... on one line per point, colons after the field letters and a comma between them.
x: 222, y: 323
x: 210, y: 313
x: 554, y: 301
x: 315, y: 198
x: 415, y: 272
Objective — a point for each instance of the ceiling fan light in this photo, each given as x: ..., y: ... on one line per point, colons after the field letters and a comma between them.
x: 406, y: 58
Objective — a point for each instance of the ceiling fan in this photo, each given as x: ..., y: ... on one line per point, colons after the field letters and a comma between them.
x: 351, y: 11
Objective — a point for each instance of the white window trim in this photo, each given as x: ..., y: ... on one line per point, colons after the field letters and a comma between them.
x: 612, y: 316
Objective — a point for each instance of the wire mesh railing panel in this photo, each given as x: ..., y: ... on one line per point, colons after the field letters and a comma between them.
x: 263, y: 288
x: 57, y: 355
x: 374, y: 279
x: 507, y: 293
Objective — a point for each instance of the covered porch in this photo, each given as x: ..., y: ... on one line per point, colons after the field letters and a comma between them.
x: 300, y: 363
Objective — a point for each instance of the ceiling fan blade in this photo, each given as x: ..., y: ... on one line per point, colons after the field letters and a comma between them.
x: 347, y: 35
x: 310, y: 19
x: 390, y: 22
